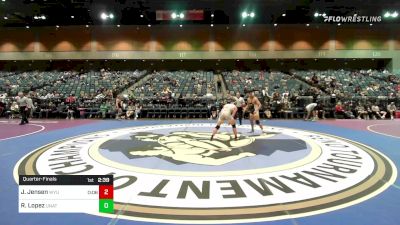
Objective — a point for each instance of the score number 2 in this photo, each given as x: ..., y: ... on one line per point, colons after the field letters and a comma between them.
x: 106, y: 192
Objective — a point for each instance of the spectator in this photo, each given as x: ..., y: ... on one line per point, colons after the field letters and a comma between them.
x: 362, y: 113
x: 61, y: 108
x: 265, y: 93
x: 14, y: 108
x: 44, y: 110
x: 315, y: 79
x: 391, y: 109
x: 261, y: 75
x: 70, y: 111
x: 377, y: 113
x: 138, y: 110
x: 2, y: 107
x: 49, y: 95
x: 104, y: 108
x: 71, y: 99
x: 339, y: 110
x: 214, y: 112
x: 130, y: 110
x: 319, y: 110
x: 219, y: 86
x: 118, y: 107
x: 37, y: 110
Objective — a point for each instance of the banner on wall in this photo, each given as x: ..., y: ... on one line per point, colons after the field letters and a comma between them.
x: 188, y: 15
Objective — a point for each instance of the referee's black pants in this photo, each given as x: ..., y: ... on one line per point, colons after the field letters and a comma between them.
x: 240, y: 114
x: 24, y: 114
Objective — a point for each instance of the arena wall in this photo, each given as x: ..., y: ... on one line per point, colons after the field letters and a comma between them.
x: 202, y: 42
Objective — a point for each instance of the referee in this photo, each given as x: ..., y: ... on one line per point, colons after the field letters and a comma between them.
x: 23, y: 107
x: 239, y: 102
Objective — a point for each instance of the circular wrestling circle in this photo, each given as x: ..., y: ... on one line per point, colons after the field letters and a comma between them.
x: 174, y: 173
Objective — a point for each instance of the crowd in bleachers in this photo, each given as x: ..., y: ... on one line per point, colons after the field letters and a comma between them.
x: 345, y: 84
x: 55, y: 84
x: 12, y: 83
x: 90, y: 85
x: 263, y: 82
x: 176, y: 84
x: 364, y: 94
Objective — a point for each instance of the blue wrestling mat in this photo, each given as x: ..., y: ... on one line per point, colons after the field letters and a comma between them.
x: 168, y: 171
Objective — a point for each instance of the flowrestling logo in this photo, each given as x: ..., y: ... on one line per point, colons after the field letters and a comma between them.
x: 174, y: 173
x: 352, y: 19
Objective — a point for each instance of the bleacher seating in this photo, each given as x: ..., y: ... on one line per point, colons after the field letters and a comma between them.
x: 347, y: 82
x: 190, y: 94
x: 179, y: 83
x: 12, y: 83
x: 91, y: 84
x: 242, y: 82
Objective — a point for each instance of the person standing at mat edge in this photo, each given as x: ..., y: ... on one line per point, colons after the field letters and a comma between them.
x: 23, y: 107
x: 391, y: 108
x: 227, y: 113
x: 118, y: 107
x: 311, y: 113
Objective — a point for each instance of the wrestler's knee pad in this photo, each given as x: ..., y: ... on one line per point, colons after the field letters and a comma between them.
x: 217, y: 127
x: 257, y: 122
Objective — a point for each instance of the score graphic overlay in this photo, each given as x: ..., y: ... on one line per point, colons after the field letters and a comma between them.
x: 66, y: 194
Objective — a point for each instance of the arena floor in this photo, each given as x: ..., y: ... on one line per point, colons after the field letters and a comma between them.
x: 330, y: 172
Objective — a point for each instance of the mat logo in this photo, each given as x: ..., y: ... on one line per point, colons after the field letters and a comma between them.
x: 174, y: 173
x: 195, y: 147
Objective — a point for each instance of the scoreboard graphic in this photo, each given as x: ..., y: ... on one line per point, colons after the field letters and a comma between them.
x: 66, y: 194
